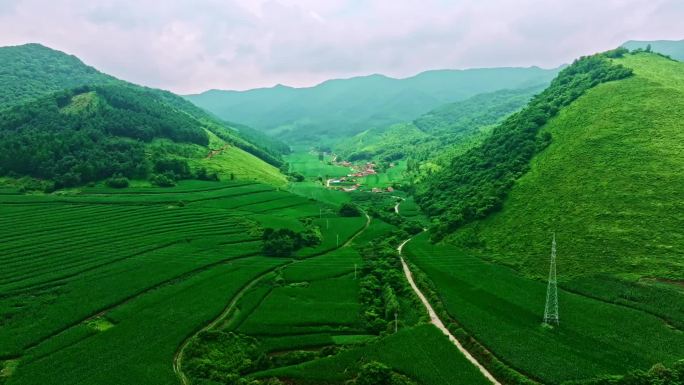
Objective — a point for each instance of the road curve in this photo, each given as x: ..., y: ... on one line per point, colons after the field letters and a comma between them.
x: 434, y: 319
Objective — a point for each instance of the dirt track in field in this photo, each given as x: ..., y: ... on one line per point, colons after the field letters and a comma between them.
x: 434, y: 319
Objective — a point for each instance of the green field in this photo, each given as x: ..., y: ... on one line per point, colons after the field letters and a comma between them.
x: 421, y: 353
x: 309, y: 165
x: 385, y: 179
x: 113, y: 272
x: 122, y: 278
x: 503, y: 311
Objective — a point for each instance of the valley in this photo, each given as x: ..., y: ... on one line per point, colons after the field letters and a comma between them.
x: 366, y: 231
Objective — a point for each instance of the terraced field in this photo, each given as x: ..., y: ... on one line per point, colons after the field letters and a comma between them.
x: 118, y: 279
x: 496, y: 305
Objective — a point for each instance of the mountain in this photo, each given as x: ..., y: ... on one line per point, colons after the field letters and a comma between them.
x: 345, y: 107
x: 609, y: 185
x: 433, y: 138
x: 672, y: 48
x: 32, y: 70
x: 100, y: 127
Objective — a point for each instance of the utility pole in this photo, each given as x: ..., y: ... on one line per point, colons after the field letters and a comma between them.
x: 551, y: 309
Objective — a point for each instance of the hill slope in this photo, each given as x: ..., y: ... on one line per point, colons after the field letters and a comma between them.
x: 672, y: 48
x: 433, y: 138
x: 93, y: 132
x: 32, y: 70
x: 610, y: 184
x: 344, y: 107
x: 102, y: 126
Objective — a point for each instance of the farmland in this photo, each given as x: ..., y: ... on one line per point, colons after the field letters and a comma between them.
x: 496, y: 305
x: 125, y: 278
x: 117, y: 271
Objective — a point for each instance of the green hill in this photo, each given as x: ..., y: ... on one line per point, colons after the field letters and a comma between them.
x: 32, y: 70
x: 435, y: 137
x: 101, y: 127
x: 672, y: 48
x: 345, y: 107
x: 610, y: 184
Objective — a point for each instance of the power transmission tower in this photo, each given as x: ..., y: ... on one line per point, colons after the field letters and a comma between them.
x: 551, y: 309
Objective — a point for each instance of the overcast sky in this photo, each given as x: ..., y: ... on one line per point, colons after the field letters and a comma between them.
x: 192, y: 45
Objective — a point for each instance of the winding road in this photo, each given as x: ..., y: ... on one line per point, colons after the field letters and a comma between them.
x: 434, y: 319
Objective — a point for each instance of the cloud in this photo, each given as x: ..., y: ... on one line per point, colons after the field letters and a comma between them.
x: 193, y: 45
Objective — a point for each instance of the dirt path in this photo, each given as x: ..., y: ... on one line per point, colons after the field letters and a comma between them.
x: 178, y: 357
x: 434, y: 319
x: 396, y: 207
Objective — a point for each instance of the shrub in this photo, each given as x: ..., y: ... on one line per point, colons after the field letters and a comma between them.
x: 163, y: 180
x: 117, y: 181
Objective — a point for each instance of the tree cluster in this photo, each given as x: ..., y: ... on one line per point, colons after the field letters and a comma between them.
x: 659, y: 374
x: 284, y: 242
x: 376, y: 373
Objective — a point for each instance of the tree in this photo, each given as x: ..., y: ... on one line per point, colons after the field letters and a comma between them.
x: 350, y: 210
x: 374, y: 373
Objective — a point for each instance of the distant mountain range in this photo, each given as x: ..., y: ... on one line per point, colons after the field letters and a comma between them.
x: 344, y: 107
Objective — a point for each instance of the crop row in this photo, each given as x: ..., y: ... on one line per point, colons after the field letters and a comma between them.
x: 500, y: 308
x: 147, y: 332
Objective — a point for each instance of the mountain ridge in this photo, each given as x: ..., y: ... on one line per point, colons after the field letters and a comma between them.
x: 340, y: 107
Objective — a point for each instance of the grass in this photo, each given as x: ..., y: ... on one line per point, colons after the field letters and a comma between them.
x: 421, y: 353
x: 238, y: 163
x: 610, y: 184
x: 503, y: 310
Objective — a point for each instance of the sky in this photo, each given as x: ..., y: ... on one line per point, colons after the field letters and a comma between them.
x: 188, y: 46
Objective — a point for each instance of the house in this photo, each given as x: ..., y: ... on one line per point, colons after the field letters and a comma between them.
x: 390, y: 189
x: 376, y: 190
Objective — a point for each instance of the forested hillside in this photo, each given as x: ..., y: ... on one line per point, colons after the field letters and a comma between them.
x: 32, y: 70
x: 429, y: 141
x: 67, y: 123
x: 344, y: 107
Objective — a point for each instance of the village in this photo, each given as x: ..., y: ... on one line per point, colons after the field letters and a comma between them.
x: 352, y: 181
